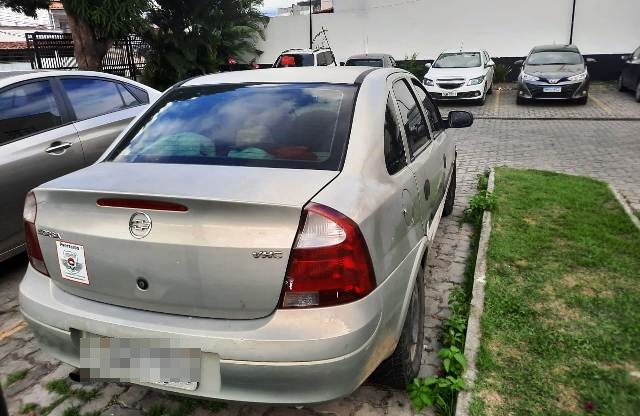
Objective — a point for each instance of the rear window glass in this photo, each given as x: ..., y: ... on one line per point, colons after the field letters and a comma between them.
x: 365, y: 62
x: 301, y: 126
x: 295, y: 59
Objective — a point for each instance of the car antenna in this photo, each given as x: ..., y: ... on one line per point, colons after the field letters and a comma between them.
x: 326, y: 41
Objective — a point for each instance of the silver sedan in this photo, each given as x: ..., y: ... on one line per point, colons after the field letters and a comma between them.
x: 265, y: 232
x: 52, y: 123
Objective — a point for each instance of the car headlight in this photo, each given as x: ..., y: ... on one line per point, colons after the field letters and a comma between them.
x: 476, y: 81
x: 528, y: 77
x: 428, y: 82
x: 578, y: 77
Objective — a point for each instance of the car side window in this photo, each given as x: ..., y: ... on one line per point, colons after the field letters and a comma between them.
x: 321, y: 59
x: 394, y: 155
x: 433, y: 114
x: 636, y: 54
x: 415, y: 125
x: 127, y: 97
x: 329, y: 58
x: 27, y: 109
x: 91, y: 97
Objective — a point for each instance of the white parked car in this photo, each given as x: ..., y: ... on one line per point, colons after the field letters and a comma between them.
x: 460, y: 75
x: 305, y: 57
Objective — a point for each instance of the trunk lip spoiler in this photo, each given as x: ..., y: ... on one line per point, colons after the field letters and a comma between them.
x: 143, y: 204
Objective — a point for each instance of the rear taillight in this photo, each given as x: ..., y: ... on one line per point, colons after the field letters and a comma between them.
x: 31, y: 236
x: 330, y: 262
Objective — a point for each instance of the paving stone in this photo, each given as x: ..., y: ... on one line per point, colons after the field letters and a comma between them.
x: 64, y: 406
x: 344, y: 406
x: 11, y: 366
x: 44, y: 357
x: 38, y: 395
x: 26, y: 349
x: 116, y: 410
x: 103, y: 400
x: 9, y: 347
x: 132, y: 396
x: 368, y: 410
x: 59, y: 372
x: 32, y: 377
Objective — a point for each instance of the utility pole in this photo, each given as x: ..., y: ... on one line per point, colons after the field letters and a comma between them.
x: 310, y: 24
x: 573, y: 17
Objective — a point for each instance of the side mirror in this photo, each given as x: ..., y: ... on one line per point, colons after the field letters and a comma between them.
x: 591, y: 61
x: 342, y: 64
x: 519, y: 62
x: 427, y: 65
x: 459, y: 119
x: 490, y: 63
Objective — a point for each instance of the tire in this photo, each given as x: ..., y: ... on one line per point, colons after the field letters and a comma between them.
x: 520, y: 100
x: 638, y: 93
x: 481, y: 100
x: 582, y: 100
x: 451, y: 195
x: 403, y: 365
x: 490, y: 90
x: 621, y: 84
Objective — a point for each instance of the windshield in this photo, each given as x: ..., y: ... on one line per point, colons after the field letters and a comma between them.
x: 302, y: 126
x: 458, y: 60
x: 295, y: 59
x: 555, y: 58
x: 365, y: 62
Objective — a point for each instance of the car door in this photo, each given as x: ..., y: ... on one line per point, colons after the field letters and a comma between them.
x: 423, y: 158
x: 37, y: 143
x: 443, y: 147
x: 101, y: 108
x: 489, y: 69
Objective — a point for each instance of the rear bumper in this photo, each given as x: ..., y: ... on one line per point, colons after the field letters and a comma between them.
x: 292, y: 356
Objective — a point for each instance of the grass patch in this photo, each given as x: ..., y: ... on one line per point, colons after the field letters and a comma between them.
x: 63, y: 388
x: 560, y: 328
x: 185, y: 406
x: 16, y: 376
x: 28, y: 407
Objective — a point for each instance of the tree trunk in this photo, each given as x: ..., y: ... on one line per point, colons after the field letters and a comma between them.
x: 87, y: 49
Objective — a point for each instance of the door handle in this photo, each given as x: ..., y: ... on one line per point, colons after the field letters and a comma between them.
x: 427, y: 189
x: 57, y: 147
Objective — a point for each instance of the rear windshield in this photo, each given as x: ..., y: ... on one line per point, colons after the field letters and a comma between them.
x: 364, y: 62
x: 458, y: 60
x: 295, y: 59
x: 300, y: 126
x: 555, y: 58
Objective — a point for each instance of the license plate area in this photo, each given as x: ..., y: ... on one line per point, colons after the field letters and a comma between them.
x: 450, y: 93
x: 552, y: 89
x: 165, y: 362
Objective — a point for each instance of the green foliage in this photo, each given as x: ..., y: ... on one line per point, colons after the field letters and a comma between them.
x: 28, y: 407
x: 195, y: 37
x: 16, y: 376
x: 60, y: 386
x: 411, y: 64
x: 72, y: 411
x: 500, y: 73
x: 482, y: 201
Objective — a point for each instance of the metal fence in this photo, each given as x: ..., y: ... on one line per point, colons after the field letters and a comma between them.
x: 47, y: 50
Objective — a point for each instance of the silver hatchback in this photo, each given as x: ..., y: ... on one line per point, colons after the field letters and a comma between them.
x: 52, y: 123
x: 263, y: 231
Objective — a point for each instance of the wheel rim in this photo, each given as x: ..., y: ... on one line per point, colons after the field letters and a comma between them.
x: 415, y: 324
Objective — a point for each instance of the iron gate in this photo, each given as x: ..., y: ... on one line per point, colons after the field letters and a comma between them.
x: 47, y: 50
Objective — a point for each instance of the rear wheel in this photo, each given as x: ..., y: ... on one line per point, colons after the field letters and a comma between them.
x: 638, y: 92
x: 403, y: 365
x: 451, y: 195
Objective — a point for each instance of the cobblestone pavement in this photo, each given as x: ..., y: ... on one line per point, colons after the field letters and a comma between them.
x: 607, y: 150
x: 605, y: 102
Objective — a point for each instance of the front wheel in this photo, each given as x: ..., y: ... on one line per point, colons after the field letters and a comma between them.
x: 582, y: 100
x: 520, y: 100
x: 403, y: 365
x: 621, y: 84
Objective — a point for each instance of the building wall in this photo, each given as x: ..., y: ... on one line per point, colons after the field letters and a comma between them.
x: 506, y: 28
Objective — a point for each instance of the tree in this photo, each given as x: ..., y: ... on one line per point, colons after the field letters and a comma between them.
x: 195, y: 37
x: 95, y: 24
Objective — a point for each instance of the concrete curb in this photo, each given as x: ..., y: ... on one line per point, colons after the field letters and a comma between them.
x: 472, y: 344
x: 625, y: 206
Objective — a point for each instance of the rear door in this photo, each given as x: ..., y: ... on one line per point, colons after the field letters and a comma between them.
x: 102, y: 108
x: 37, y: 144
x: 424, y: 158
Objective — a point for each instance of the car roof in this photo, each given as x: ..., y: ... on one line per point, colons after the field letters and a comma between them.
x: 10, y: 77
x: 542, y: 48
x: 463, y: 51
x: 310, y: 51
x: 370, y: 56
x: 324, y: 74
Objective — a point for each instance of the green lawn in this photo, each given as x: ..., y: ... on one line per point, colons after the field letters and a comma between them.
x: 561, y: 326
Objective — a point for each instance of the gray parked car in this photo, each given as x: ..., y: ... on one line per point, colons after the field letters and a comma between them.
x: 52, y: 123
x: 372, y: 59
x: 270, y: 226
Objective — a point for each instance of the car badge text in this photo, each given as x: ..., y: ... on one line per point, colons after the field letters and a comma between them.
x: 267, y: 254
x: 139, y: 225
x: 48, y: 233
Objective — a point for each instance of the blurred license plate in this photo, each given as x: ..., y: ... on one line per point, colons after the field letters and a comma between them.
x: 160, y: 361
x: 552, y: 89
x: 450, y: 93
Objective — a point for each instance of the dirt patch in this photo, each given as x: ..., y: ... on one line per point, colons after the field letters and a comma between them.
x: 492, y: 400
x: 568, y: 399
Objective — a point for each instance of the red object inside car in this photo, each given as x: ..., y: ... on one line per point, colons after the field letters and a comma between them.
x: 287, y: 60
